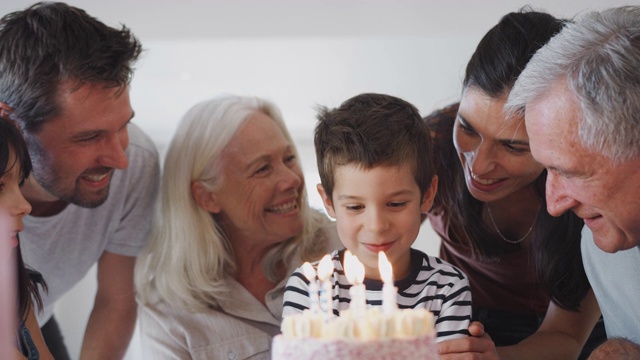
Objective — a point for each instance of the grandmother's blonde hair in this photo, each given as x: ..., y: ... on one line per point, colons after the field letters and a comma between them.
x: 189, y: 256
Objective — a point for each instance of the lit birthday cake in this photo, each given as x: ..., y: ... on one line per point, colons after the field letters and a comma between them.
x: 403, y: 334
x: 359, y: 332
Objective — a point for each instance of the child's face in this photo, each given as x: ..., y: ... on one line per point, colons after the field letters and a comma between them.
x: 378, y: 209
x: 13, y: 205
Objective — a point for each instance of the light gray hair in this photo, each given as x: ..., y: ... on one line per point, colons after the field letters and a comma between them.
x: 598, y: 58
x: 189, y: 256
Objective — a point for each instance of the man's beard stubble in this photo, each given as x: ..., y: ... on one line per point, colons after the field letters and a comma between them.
x: 49, y: 179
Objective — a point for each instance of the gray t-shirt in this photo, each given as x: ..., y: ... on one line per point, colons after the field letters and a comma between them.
x: 65, y: 246
x: 614, y: 279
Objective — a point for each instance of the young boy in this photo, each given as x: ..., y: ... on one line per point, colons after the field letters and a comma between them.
x: 375, y: 163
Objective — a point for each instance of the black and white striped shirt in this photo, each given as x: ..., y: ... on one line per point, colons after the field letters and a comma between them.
x: 432, y: 284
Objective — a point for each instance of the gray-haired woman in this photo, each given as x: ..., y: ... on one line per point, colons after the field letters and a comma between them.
x: 232, y: 225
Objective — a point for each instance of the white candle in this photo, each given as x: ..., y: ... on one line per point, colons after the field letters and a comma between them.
x: 310, y: 274
x: 354, y: 271
x: 389, y: 292
x: 325, y: 270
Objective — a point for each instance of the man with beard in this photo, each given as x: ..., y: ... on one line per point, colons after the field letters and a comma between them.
x: 64, y: 81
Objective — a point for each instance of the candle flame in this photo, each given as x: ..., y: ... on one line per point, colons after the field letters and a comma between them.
x: 325, y: 268
x: 308, y: 271
x: 386, y: 270
x: 353, y: 268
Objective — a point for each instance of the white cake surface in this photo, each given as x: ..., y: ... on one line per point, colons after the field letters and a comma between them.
x: 404, y: 334
x: 310, y: 348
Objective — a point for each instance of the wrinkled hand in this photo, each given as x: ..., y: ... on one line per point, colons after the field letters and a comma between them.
x: 475, y: 347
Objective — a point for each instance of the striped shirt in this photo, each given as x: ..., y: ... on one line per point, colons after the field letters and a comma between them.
x: 432, y: 284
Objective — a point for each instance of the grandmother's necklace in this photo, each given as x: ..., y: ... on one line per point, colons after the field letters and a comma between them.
x: 509, y: 240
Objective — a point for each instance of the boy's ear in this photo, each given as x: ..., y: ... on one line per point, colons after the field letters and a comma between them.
x: 429, y: 195
x: 328, y: 205
x: 204, y: 197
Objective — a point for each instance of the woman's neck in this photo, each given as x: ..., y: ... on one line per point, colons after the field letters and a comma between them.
x: 513, y: 216
x: 249, y: 272
x: 256, y: 284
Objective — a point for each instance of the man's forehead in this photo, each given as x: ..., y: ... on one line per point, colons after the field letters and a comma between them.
x: 75, y: 91
x: 552, y: 125
x: 555, y: 114
x: 556, y: 99
x: 90, y: 108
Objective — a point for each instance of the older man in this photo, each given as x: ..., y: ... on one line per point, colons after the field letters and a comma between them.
x: 581, y: 99
x: 64, y: 81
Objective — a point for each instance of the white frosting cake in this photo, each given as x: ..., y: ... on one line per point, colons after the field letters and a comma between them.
x: 404, y: 334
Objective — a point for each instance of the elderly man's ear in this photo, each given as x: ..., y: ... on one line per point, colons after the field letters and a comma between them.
x: 204, y: 197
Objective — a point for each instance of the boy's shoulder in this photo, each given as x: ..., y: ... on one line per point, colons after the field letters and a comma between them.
x: 421, y: 263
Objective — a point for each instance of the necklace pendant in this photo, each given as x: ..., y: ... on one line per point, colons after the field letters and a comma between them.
x: 504, y: 238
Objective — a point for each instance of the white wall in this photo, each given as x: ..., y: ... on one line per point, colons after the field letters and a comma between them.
x: 296, y: 57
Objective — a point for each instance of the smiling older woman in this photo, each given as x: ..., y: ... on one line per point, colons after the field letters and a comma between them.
x: 233, y: 224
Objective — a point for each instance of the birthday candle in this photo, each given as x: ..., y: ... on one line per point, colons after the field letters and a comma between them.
x: 325, y: 269
x: 389, y: 292
x: 354, y: 271
x: 310, y: 274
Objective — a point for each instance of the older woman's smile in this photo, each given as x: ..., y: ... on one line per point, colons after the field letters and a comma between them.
x: 284, y: 208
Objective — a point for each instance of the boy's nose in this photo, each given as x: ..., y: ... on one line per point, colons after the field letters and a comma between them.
x: 377, y: 221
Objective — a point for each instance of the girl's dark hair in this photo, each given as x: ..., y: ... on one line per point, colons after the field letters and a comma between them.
x: 28, y: 280
x: 505, y: 50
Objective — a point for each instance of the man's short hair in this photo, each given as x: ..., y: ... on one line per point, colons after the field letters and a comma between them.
x: 51, y: 43
x: 597, y: 57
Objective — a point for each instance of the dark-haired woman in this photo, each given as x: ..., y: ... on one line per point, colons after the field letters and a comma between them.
x: 15, y: 166
x: 490, y: 210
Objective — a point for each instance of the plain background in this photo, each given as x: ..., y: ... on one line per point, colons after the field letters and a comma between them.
x: 299, y: 54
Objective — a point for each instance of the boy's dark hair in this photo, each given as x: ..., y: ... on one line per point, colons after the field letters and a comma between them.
x: 27, y: 280
x: 371, y: 130
x: 50, y: 43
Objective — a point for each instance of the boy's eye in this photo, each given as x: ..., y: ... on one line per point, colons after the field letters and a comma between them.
x: 397, y: 204
x: 354, y: 207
